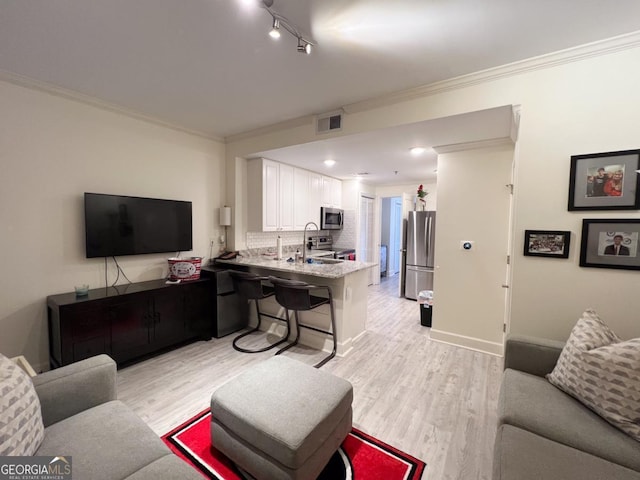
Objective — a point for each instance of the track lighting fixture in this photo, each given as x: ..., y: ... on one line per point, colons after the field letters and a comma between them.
x: 275, y: 30
x: 304, y: 42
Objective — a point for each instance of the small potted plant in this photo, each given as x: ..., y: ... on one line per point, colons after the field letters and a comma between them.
x: 421, y: 201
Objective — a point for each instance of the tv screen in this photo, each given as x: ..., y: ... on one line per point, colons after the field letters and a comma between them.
x: 116, y: 225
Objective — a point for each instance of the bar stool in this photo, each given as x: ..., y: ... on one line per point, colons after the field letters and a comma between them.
x: 250, y: 286
x: 296, y: 295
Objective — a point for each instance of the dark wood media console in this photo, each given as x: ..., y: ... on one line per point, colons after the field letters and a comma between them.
x: 129, y: 322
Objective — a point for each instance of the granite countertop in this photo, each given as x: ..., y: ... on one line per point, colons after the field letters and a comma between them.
x: 325, y: 270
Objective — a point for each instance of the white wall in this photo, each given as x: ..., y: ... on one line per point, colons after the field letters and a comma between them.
x: 52, y: 150
x: 411, y: 189
x: 577, y: 102
x: 469, y: 300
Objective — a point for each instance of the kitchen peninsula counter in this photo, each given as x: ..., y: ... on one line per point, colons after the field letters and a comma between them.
x: 322, y: 270
x: 349, y: 284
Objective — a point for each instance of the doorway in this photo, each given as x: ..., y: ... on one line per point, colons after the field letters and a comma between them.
x: 390, y: 236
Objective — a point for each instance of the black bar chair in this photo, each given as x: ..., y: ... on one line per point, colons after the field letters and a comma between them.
x: 250, y: 286
x: 296, y: 295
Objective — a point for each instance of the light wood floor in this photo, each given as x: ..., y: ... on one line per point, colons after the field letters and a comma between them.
x: 434, y: 401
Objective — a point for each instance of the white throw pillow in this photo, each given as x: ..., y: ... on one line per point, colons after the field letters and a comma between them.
x: 21, y: 427
x: 602, y: 372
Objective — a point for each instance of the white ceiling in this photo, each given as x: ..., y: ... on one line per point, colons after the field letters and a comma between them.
x: 382, y: 157
x: 209, y: 66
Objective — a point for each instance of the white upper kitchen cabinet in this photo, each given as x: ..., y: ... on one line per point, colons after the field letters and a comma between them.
x: 336, y: 192
x: 281, y: 197
x: 286, y: 198
x: 315, y: 194
x: 269, y: 196
x: 301, y: 197
x: 270, y: 192
x: 331, y: 192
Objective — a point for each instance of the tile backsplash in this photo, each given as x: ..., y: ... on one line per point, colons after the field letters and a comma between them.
x: 346, y: 238
x: 265, y: 242
x: 268, y: 239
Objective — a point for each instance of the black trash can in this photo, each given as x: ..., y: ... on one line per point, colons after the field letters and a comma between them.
x: 426, y: 312
x: 425, y: 299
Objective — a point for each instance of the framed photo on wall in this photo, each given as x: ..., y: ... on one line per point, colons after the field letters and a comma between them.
x: 605, y: 181
x: 547, y: 243
x: 610, y: 243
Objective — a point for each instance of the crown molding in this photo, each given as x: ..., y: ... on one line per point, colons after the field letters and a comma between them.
x: 460, y: 147
x: 549, y: 60
x: 27, y: 82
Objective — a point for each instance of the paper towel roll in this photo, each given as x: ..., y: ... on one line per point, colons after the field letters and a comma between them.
x: 279, y: 248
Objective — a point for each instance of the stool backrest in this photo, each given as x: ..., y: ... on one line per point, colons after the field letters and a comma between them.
x: 292, y: 294
x: 248, y: 285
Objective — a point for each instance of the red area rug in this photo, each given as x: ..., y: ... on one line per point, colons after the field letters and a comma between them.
x: 360, y: 456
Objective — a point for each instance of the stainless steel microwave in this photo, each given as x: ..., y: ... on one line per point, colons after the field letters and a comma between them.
x: 331, y: 218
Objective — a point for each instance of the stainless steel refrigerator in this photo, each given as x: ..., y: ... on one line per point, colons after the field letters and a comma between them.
x: 419, y: 247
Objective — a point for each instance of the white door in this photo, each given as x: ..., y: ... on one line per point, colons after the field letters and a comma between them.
x: 366, y: 248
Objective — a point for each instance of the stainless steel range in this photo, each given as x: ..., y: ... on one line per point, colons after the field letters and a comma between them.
x: 325, y: 243
x: 320, y: 242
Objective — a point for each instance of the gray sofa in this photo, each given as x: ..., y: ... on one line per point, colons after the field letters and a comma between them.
x: 105, y: 439
x: 545, y: 434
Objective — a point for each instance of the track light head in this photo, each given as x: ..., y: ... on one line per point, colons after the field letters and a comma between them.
x: 304, y: 47
x: 275, y: 30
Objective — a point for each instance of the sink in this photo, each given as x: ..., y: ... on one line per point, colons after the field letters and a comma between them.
x: 326, y: 261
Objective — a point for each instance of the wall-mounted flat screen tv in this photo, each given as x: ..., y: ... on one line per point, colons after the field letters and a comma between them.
x: 117, y: 225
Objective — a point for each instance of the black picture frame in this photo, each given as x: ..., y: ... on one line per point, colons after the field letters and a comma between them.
x: 598, y: 238
x: 587, y: 184
x: 547, y: 243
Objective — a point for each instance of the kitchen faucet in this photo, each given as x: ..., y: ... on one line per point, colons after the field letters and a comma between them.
x: 304, y: 240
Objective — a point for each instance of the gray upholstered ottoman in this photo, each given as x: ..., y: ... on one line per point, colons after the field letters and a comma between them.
x: 281, y: 419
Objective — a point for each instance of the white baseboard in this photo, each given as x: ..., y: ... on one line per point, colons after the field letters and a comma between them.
x: 470, y: 343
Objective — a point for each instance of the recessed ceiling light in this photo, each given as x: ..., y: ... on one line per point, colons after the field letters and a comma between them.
x: 329, y: 163
x: 417, y: 150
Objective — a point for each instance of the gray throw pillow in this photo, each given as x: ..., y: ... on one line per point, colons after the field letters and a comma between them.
x: 602, y: 372
x: 21, y: 428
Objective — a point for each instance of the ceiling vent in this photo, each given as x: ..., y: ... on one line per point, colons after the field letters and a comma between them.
x: 329, y: 122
